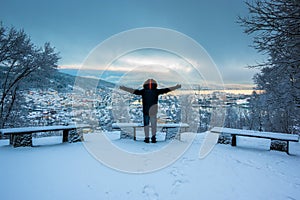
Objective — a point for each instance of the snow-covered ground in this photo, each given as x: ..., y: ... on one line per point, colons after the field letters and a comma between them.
x: 53, y: 170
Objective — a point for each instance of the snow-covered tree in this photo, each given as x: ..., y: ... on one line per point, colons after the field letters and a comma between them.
x: 232, y: 118
x: 19, y: 58
x: 189, y: 114
x: 204, y: 120
x: 275, y: 25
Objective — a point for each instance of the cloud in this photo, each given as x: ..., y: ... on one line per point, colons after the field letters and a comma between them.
x: 236, y: 71
x: 136, y: 66
x: 143, y: 59
x: 70, y: 66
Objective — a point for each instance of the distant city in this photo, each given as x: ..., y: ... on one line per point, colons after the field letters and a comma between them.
x: 106, y: 105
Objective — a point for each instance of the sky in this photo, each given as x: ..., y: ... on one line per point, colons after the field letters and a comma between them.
x: 76, y: 27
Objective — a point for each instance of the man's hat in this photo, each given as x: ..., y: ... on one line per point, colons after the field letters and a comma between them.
x: 150, y: 84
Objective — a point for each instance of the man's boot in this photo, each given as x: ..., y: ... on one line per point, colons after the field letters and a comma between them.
x: 147, y: 140
x: 153, y: 139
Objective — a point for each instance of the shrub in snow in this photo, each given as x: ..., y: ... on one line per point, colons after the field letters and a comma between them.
x: 22, y: 140
x: 278, y: 145
x: 224, y: 139
x: 171, y: 133
x: 126, y: 134
x: 75, y: 136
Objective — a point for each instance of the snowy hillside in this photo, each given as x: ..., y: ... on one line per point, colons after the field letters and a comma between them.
x: 53, y: 170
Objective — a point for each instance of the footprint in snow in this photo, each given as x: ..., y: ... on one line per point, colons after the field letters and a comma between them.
x: 176, y: 185
x: 248, y: 163
x: 176, y: 172
x: 150, y: 193
x: 179, y: 179
x: 186, y: 161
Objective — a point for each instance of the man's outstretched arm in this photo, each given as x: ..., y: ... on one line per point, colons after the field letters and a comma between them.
x: 132, y: 91
x: 166, y: 90
x: 175, y: 87
x: 127, y: 89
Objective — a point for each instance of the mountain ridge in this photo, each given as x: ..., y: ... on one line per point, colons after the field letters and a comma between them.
x: 54, y: 79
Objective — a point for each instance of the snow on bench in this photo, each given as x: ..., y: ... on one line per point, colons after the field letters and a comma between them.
x: 23, y: 136
x: 250, y: 133
x: 139, y: 125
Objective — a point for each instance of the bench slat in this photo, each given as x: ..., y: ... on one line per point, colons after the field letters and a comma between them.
x: 139, y: 125
x: 250, y: 133
x: 34, y: 129
x: 135, y: 125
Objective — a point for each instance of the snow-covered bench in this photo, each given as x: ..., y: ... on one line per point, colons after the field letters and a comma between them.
x: 249, y: 133
x: 23, y: 136
x: 159, y: 125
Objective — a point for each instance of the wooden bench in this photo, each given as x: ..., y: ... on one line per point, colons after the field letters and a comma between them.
x: 165, y: 127
x: 23, y: 136
x: 249, y: 133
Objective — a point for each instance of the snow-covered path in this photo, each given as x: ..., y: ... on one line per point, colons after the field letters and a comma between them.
x: 68, y: 171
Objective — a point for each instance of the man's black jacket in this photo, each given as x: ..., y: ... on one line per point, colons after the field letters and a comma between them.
x: 149, y: 96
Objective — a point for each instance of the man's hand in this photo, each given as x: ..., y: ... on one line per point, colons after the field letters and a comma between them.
x: 175, y: 87
x: 178, y: 86
x: 122, y: 87
x: 127, y: 89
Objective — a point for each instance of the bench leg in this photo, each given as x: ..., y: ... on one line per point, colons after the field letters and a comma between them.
x: 134, y: 133
x: 72, y: 135
x: 184, y: 129
x: 22, y: 140
x: 233, y: 140
x: 287, y: 147
x: 11, y: 139
x: 65, y: 135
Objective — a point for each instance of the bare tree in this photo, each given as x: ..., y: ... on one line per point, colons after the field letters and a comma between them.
x: 19, y: 58
x: 275, y: 25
